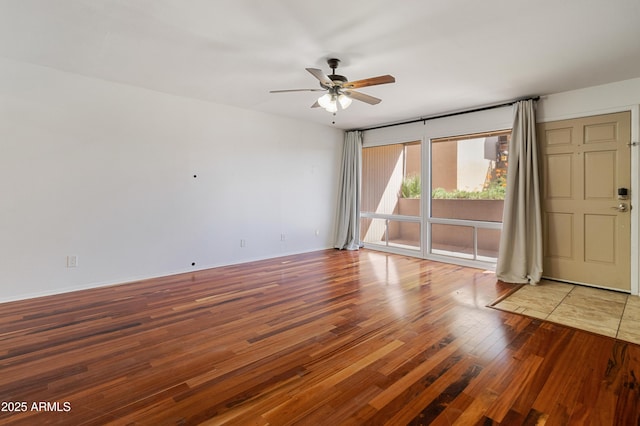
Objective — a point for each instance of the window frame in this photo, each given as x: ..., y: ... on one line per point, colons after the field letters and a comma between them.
x: 478, y: 122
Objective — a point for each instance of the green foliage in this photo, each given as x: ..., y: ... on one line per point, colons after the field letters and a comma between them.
x: 411, y: 187
x: 495, y: 191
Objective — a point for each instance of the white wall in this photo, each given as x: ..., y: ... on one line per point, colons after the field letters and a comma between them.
x: 483, y: 121
x: 106, y: 172
x: 595, y: 100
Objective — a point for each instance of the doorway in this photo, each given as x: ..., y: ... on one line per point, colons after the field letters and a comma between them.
x: 586, y: 183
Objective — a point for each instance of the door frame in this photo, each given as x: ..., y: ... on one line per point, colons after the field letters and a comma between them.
x: 635, y: 181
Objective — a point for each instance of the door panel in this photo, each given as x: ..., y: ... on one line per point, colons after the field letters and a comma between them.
x: 600, y: 238
x: 584, y: 162
x: 559, y: 183
x: 559, y: 240
x: 600, y: 175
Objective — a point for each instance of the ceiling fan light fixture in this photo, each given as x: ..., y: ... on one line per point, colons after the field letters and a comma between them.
x: 333, y: 105
x: 344, y: 100
x: 330, y: 101
x: 325, y: 100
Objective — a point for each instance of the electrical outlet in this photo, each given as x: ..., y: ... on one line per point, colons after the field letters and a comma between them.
x: 283, y: 237
x: 243, y: 243
x: 72, y: 261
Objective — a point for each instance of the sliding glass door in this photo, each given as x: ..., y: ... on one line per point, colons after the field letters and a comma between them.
x: 391, y: 196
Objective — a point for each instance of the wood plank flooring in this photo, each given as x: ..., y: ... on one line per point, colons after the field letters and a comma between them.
x: 323, y: 338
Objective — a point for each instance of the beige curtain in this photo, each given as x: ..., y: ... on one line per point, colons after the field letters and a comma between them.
x: 348, y: 215
x: 520, y: 254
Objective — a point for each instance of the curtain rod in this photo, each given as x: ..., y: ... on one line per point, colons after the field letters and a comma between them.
x: 451, y: 114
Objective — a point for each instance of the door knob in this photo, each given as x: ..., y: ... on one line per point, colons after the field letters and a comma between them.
x: 622, y: 207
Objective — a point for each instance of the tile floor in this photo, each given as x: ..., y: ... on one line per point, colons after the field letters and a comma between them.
x: 600, y: 311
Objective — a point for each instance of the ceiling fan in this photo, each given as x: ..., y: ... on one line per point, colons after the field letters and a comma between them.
x: 339, y: 89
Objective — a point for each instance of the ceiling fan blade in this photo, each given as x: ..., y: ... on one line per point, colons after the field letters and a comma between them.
x: 296, y: 90
x: 315, y: 105
x: 362, y: 97
x: 373, y: 81
x: 324, y: 80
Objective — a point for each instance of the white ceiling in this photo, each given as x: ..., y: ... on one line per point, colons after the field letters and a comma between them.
x: 446, y: 55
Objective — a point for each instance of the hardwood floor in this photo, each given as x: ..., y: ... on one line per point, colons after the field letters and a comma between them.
x: 324, y: 338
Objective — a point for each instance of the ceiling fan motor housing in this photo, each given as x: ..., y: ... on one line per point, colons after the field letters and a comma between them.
x: 335, y: 78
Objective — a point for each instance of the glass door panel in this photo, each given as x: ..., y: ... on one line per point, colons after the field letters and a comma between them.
x: 391, y: 196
